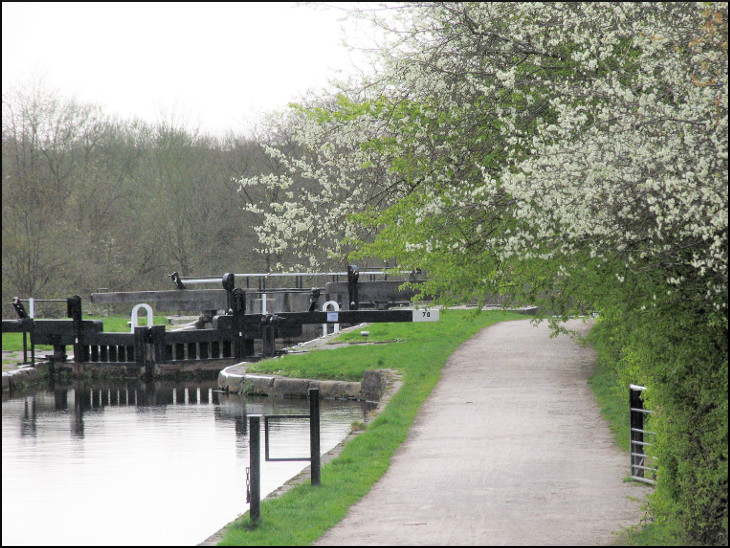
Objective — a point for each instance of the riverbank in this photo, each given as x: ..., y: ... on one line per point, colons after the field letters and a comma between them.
x: 394, y: 382
x: 19, y: 376
x: 304, y: 512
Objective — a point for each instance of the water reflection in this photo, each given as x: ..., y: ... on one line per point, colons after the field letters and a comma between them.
x: 82, y: 398
x: 172, y: 454
x: 28, y: 427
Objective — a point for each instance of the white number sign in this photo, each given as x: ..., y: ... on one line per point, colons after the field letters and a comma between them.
x: 426, y: 315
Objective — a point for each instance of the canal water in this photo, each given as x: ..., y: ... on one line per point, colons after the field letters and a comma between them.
x: 142, y: 464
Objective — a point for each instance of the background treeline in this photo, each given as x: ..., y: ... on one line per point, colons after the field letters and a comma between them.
x: 91, y: 201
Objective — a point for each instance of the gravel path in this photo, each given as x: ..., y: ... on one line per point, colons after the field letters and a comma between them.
x: 509, y: 448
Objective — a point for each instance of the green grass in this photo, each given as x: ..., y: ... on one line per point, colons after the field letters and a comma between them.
x: 13, y: 342
x: 114, y: 324
x: 303, y: 513
x: 655, y: 534
x: 614, y: 408
x: 118, y: 324
x: 378, y: 332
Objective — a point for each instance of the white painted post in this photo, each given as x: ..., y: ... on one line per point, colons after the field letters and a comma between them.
x: 335, y: 308
x: 265, y: 302
x: 31, y: 306
x: 150, y: 318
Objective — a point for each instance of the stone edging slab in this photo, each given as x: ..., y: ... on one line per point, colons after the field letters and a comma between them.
x: 236, y: 379
x: 18, y: 378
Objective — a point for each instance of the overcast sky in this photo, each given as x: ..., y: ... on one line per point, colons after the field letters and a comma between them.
x: 214, y: 65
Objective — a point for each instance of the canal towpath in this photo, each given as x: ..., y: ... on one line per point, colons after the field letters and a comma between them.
x: 509, y: 448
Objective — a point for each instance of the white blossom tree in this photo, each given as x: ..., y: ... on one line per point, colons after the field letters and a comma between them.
x: 525, y: 130
x: 572, y: 155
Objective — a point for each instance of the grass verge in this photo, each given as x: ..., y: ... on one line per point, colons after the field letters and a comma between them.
x: 304, y: 513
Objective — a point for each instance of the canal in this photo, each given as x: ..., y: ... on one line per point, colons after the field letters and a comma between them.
x: 142, y: 464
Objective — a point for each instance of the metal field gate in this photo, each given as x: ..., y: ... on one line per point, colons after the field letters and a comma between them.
x: 643, y: 466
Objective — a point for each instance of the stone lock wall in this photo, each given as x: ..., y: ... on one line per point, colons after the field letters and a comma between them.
x: 236, y: 379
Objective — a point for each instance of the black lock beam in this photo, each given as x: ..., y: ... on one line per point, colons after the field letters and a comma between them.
x: 353, y: 275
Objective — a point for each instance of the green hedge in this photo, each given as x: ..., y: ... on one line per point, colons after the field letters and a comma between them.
x: 679, y: 352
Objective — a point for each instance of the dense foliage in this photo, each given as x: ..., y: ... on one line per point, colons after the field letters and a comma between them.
x: 572, y: 155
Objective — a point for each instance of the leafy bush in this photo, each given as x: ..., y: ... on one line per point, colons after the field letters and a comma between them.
x: 680, y: 354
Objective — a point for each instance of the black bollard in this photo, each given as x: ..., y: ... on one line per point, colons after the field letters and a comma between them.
x: 254, y: 433
x: 73, y: 309
x: 314, y: 434
x: 353, y: 275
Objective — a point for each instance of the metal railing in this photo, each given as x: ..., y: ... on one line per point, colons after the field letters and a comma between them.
x: 17, y: 303
x: 253, y: 473
x: 641, y: 463
x: 265, y: 279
